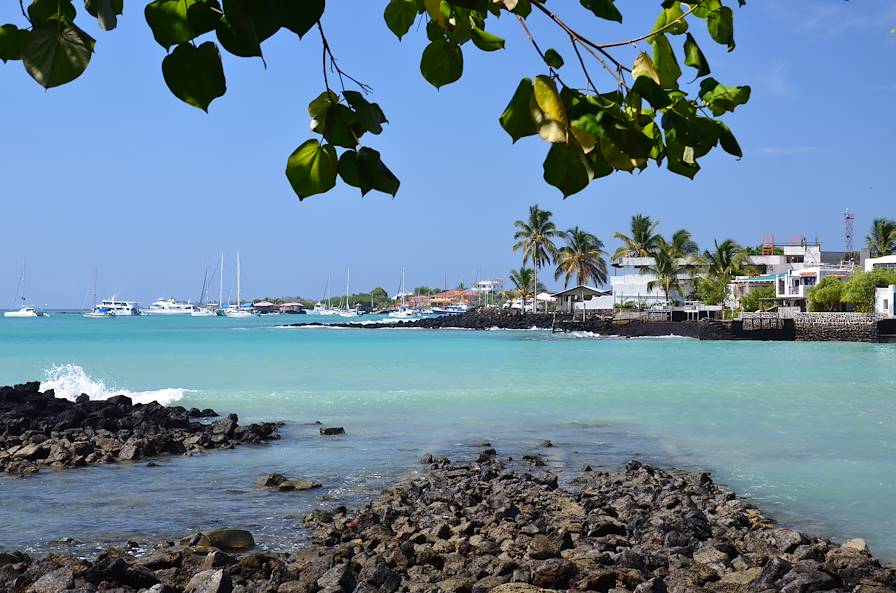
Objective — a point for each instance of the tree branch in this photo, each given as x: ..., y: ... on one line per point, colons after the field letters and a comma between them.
x: 572, y: 33
x: 662, y: 29
x: 522, y: 22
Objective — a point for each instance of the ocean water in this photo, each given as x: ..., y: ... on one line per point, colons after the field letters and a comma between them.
x: 805, y: 430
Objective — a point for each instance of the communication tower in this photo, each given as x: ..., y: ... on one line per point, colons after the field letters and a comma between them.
x: 848, y: 218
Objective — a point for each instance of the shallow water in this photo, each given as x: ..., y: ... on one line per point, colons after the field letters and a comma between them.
x: 805, y: 430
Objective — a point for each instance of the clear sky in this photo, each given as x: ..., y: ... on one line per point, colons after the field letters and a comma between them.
x: 113, y: 172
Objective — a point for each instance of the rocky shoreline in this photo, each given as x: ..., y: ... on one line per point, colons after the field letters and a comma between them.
x: 38, y: 430
x: 475, y: 319
x: 483, y: 526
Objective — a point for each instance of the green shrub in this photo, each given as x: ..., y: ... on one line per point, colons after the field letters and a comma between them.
x: 712, y: 290
x: 827, y: 295
x: 858, y: 290
x: 754, y: 300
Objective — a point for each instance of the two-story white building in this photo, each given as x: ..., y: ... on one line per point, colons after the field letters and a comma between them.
x: 886, y: 262
x: 792, y: 287
x: 631, y: 279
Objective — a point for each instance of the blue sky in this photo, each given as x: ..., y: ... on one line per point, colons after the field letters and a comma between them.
x: 113, y: 172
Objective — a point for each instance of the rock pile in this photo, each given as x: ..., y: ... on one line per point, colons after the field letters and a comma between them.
x: 39, y: 430
x: 482, y: 527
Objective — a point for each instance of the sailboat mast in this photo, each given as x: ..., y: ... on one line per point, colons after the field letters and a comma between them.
x: 348, y: 273
x: 94, y: 288
x: 23, y: 283
x: 237, y: 279
x: 221, y: 281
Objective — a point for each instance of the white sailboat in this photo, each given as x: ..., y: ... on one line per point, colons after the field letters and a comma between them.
x: 204, y: 309
x: 24, y: 311
x: 236, y: 311
x: 403, y: 311
x: 346, y: 311
x: 322, y: 307
x: 98, y: 311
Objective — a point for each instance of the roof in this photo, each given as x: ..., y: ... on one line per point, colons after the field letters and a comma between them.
x: 579, y: 291
x: 263, y: 304
x: 755, y: 279
x: 290, y: 305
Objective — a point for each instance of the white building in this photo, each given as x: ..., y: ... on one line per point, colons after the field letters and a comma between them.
x: 792, y: 287
x: 885, y: 301
x: 886, y: 262
x: 631, y: 279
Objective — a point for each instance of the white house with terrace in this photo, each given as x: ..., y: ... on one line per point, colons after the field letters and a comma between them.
x: 631, y: 279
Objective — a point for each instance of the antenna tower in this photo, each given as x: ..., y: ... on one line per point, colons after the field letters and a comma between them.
x: 848, y: 218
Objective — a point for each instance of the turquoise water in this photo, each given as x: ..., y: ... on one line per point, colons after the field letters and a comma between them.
x: 805, y: 430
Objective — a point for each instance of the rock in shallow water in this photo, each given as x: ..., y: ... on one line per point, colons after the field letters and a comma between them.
x: 231, y: 539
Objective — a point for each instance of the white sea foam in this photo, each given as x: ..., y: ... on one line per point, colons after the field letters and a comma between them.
x: 68, y: 381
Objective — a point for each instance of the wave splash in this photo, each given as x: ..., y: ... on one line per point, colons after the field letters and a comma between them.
x: 68, y: 381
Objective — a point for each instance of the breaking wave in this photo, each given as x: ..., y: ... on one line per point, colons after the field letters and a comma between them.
x: 68, y: 381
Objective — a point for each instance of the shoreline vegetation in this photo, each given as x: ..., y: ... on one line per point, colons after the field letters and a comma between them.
x: 494, y: 525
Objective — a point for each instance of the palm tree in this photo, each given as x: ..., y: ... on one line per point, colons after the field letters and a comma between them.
x: 683, y: 244
x: 523, y: 280
x: 666, y: 269
x: 642, y: 242
x: 535, y: 238
x: 726, y: 260
x: 582, y: 257
x: 882, y: 238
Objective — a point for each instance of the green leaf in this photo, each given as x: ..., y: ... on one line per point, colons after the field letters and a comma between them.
x: 694, y: 57
x: 567, y: 168
x: 439, y: 11
x: 168, y: 21
x: 604, y: 9
x: 237, y: 35
x: 300, y: 15
x: 105, y: 11
x: 644, y: 66
x: 721, y: 98
x: 12, y: 42
x: 647, y: 88
x: 319, y: 109
x: 348, y: 170
x: 666, y: 64
x: 311, y: 169
x: 680, y: 159
x: 549, y: 100
x: 517, y: 117
x: 56, y: 54
x: 727, y: 141
x: 553, y: 59
x: 42, y: 11
x: 370, y: 116
x: 376, y: 174
x: 400, y: 15
x: 195, y: 74
x: 342, y: 127
x: 204, y: 16
x: 442, y: 63
x: 721, y: 26
x: 486, y: 41
x: 668, y: 15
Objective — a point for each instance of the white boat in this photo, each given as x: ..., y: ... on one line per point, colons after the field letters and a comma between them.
x: 345, y: 310
x: 204, y: 308
x: 322, y: 309
x: 236, y: 310
x: 24, y: 311
x: 98, y: 312
x: 403, y: 312
x: 454, y: 309
x: 120, y: 308
x: 169, y: 306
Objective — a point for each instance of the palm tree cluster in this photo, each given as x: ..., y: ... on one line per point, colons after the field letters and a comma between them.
x: 882, y: 238
x: 582, y: 256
